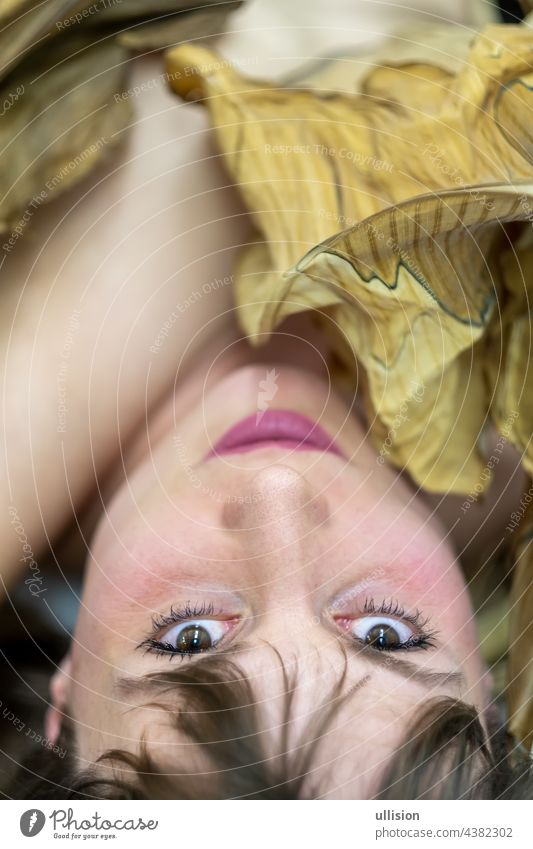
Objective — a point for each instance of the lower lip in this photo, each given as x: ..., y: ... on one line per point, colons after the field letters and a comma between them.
x: 278, y: 429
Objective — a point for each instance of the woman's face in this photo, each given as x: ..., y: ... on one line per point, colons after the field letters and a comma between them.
x: 292, y: 546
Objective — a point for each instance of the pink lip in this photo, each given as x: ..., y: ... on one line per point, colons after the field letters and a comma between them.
x: 279, y: 428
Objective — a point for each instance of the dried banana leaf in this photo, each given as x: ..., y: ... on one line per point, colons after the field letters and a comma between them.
x: 388, y: 209
x: 63, y: 123
x: 171, y: 31
x: 62, y: 63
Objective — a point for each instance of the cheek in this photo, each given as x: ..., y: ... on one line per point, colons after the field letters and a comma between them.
x: 440, y: 586
x: 422, y: 569
x: 436, y: 585
x: 123, y: 575
x: 115, y: 597
x: 131, y: 577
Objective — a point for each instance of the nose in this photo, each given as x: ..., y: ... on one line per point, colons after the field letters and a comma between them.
x: 277, y: 501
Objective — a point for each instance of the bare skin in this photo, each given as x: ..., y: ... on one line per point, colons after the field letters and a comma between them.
x: 155, y: 225
x: 84, y: 297
x: 284, y: 549
x: 96, y: 277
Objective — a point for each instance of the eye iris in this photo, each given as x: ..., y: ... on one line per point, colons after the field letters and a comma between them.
x: 194, y: 638
x: 383, y: 637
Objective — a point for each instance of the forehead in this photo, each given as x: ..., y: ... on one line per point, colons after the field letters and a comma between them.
x: 344, y: 727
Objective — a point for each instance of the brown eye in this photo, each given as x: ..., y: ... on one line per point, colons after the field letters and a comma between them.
x: 383, y: 636
x: 381, y: 632
x: 198, y: 636
x: 194, y: 638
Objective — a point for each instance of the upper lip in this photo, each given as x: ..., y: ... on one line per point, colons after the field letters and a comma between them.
x: 284, y: 427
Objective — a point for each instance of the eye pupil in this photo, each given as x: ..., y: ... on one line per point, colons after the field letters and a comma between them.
x: 382, y: 637
x: 194, y: 638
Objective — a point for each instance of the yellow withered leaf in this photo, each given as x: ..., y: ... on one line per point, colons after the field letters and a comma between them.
x: 387, y: 209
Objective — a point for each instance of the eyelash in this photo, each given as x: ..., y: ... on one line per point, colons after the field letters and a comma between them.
x: 394, y: 608
x: 182, y: 614
x: 424, y: 640
x: 176, y: 615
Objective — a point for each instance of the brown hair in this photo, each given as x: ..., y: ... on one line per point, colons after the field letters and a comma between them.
x: 446, y: 755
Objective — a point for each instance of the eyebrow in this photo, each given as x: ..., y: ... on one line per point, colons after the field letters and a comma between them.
x: 428, y: 678
x: 385, y: 661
